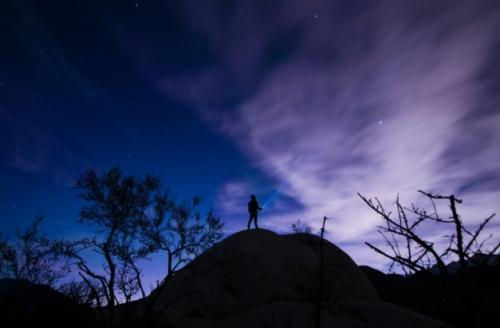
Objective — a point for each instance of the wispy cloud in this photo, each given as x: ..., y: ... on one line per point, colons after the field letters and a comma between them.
x: 232, y: 197
x: 378, y: 99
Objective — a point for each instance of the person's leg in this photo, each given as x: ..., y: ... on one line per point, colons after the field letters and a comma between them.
x: 249, y: 221
x: 255, y: 218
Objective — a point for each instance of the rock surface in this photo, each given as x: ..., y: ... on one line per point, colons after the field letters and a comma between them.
x: 25, y: 304
x: 258, y: 278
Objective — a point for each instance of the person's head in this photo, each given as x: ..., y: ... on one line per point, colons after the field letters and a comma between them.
x: 252, y: 197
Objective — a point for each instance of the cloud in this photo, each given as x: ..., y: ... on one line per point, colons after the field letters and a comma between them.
x: 378, y: 99
x: 233, y: 196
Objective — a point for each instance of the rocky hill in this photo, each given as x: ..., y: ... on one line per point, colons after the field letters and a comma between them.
x: 466, y: 299
x: 258, y: 278
x: 24, y: 304
x: 253, y: 278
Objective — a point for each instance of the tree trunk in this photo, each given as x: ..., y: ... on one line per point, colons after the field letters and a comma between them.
x: 319, y: 303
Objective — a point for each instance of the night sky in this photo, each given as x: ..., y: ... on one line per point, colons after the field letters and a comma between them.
x: 303, y: 103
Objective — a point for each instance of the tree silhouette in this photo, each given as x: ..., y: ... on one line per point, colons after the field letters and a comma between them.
x: 413, y: 253
x: 467, y: 281
x: 321, y: 286
x: 79, y: 292
x: 179, y: 230
x: 30, y: 257
x: 132, y: 218
x: 115, y: 205
x: 301, y: 227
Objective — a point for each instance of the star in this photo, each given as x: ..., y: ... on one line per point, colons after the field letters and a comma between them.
x: 380, y: 122
x: 14, y: 206
x: 316, y: 16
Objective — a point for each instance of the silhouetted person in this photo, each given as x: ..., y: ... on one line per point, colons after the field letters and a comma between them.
x: 253, y: 210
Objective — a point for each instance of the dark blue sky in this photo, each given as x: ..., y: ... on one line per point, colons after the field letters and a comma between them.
x: 73, y: 97
x: 312, y: 101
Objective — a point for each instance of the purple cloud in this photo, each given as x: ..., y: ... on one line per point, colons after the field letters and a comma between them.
x: 381, y: 99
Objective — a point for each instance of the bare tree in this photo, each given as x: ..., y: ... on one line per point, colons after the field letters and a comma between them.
x: 321, y: 286
x: 130, y: 274
x: 460, y: 268
x: 30, y: 257
x: 80, y: 292
x: 133, y: 218
x: 408, y: 249
x: 179, y: 230
x: 115, y: 207
x: 301, y: 227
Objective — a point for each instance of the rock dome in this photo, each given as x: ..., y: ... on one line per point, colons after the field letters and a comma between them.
x: 257, y: 278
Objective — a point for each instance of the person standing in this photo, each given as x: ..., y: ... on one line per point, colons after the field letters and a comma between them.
x: 253, y: 210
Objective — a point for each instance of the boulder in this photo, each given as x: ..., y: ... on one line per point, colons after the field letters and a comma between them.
x: 257, y: 278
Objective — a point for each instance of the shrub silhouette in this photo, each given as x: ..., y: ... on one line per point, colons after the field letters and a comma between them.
x: 30, y: 257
